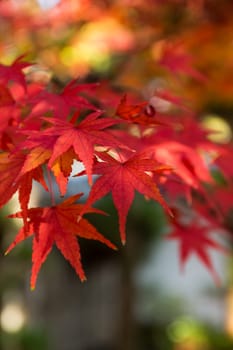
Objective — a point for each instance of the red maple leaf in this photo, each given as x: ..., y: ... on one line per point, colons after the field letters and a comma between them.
x: 58, y: 226
x: 71, y: 97
x: 223, y: 199
x: 187, y: 163
x: 6, y: 97
x: 194, y: 238
x: 177, y: 60
x: 83, y: 137
x: 122, y: 178
x: 62, y: 104
x: 14, y: 72
x: 15, y: 176
x: 9, y: 169
x: 39, y: 149
x: 141, y: 113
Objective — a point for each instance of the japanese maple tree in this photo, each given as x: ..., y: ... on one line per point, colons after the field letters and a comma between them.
x: 125, y: 143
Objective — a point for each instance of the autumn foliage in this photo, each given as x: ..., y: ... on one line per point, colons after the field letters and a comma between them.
x: 125, y: 143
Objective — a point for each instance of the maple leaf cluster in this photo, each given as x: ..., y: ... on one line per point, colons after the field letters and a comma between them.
x: 135, y: 146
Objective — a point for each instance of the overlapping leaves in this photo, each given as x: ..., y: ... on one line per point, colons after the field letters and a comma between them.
x: 136, y: 148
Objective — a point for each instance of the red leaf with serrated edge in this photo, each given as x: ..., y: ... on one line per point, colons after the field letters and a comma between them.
x: 122, y: 178
x: 37, y: 156
x: 39, y: 150
x: 58, y: 226
x: 71, y: 97
x: 10, y: 167
x: 82, y: 137
x: 38, y: 175
x: 194, y: 238
x: 62, y: 168
x: 61, y: 105
x: 25, y: 187
x: 12, y: 178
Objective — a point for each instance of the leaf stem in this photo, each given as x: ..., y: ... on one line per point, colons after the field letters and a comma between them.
x: 50, y: 182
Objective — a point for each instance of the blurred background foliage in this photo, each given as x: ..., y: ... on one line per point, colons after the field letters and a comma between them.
x: 95, y: 39
x: 133, y: 299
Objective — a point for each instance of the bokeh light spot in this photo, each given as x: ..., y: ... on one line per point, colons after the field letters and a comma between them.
x: 221, y: 130
x: 12, y: 317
